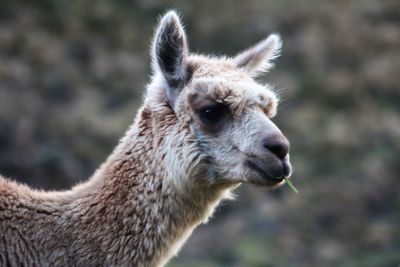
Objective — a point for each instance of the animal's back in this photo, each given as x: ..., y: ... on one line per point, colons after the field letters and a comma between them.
x: 12, y: 197
x: 37, y: 228
x: 22, y: 220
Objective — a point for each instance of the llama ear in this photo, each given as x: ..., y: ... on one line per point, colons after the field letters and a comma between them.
x: 169, y: 55
x: 258, y: 58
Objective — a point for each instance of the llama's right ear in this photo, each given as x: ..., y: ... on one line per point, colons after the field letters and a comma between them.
x: 169, y: 55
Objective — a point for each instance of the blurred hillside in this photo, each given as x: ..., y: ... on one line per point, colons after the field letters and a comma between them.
x: 72, y: 75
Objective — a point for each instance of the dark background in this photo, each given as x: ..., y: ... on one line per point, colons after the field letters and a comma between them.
x: 72, y: 75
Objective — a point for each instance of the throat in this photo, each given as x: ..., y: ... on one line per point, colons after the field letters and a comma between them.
x: 179, y: 217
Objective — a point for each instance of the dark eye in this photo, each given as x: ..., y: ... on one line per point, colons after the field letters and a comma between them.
x: 213, y: 114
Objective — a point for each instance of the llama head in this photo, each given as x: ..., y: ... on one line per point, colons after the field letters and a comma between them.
x: 227, y: 113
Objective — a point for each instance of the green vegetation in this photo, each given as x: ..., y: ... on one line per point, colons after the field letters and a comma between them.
x: 290, y: 184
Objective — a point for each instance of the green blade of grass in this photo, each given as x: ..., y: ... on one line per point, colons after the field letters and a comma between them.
x: 290, y: 184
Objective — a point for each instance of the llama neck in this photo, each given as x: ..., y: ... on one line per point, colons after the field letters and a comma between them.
x: 137, y: 202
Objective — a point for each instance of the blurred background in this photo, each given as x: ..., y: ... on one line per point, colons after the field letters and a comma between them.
x: 72, y: 75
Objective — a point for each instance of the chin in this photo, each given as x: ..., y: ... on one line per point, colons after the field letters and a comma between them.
x: 266, y: 182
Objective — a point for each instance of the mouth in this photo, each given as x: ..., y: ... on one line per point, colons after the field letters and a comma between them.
x: 264, y: 177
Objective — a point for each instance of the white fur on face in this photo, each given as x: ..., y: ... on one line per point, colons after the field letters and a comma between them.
x: 251, y: 105
x: 217, y: 157
x: 230, y: 148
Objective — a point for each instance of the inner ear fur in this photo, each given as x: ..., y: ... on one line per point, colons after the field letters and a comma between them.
x: 170, y: 53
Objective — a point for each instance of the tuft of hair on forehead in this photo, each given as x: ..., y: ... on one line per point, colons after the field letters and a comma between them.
x: 238, y: 95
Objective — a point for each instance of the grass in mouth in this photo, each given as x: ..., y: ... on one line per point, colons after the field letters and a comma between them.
x: 290, y: 184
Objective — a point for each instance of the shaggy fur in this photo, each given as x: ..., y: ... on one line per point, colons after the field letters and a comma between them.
x: 166, y: 175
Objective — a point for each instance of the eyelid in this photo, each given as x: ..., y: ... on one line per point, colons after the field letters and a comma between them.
x: 221, y: 105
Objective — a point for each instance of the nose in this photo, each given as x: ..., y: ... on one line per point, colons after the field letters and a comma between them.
x: 277, y: 144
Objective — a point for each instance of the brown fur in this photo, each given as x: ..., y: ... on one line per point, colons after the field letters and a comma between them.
x: 145, y: 200
x: 124, y: 215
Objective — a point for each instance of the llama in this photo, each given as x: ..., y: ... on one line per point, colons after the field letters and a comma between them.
x: 204, y: 129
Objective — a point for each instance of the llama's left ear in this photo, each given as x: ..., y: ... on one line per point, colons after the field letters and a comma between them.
x: 169, y: 55
x: 259, y: 58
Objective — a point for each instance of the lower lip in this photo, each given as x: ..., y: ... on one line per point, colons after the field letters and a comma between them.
x: 254, y: 166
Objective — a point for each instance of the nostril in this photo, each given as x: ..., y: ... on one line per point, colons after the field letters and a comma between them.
x: 277, y: 145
